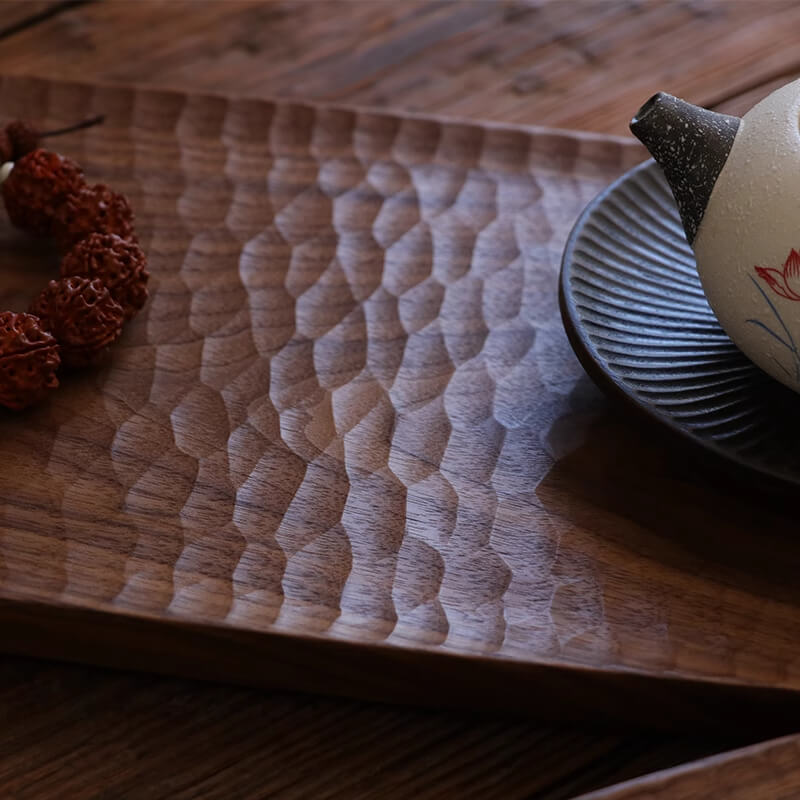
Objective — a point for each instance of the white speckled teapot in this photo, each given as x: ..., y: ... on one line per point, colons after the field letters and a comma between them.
x: 737, y: 186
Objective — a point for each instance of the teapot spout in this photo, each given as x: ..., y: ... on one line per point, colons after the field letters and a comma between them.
x: 691, y: 145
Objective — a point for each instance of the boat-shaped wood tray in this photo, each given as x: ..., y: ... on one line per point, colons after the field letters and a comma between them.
x: 765, y: 770
x: 347, y: 448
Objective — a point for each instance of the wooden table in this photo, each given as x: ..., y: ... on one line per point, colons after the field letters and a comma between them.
x: 77, y: 732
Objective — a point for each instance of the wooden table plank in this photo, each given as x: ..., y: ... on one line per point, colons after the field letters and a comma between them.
x: 576, y: 63
x: 68, y: 731
x: 768, y: 770
x: 742, y: 103
x: 16, y: 15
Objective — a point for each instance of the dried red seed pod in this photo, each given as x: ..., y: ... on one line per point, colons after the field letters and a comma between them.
x: 29, y: 359
x: 24, y: 138
x: 119, y: 263
x: 37, y: 186
x: 92, y: 209
x: 82, y: 315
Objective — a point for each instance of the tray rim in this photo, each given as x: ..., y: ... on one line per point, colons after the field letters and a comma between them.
x: 610, y: 695
x: 625, y: 142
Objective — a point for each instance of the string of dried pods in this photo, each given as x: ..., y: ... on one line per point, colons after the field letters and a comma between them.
x: 75, y: 319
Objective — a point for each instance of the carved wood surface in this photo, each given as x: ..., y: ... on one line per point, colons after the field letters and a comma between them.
x: 346, y: 447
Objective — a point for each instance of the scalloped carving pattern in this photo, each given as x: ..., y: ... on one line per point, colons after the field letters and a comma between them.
x: 350, y: 408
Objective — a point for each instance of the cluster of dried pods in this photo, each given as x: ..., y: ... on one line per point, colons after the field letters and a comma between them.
x: 74, y: 320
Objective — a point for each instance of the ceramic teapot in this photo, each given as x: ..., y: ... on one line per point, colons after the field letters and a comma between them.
x: 737, y: 186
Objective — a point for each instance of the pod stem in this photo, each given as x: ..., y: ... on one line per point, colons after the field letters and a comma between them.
x: 87, y: 123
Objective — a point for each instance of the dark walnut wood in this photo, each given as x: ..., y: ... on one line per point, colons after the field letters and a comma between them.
x: 17, y: 15
x: 270, y: 52
x: 347, y: 448
x: 768, y: 770
x: 83, y: 733
x: 584, y: 64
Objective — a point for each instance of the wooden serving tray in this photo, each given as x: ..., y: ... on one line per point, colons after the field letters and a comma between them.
x: 346, y: 447
x: 768, y: 770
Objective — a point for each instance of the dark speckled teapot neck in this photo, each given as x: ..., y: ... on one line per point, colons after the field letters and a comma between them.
x: 691, y: 145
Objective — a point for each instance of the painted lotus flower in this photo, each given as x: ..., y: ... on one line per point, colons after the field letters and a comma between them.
x: 785, y: 282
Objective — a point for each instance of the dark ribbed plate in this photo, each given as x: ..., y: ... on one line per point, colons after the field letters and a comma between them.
x: 638, y: 320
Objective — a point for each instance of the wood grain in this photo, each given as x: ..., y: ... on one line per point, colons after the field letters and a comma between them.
x: 576, y: 64
x: 477, y: 81
x: 742, y: 103
x: 473, y: 80
x: 767, y: 770
x: 347, y: 447
x: 16, y: 15
x: 85, y: 734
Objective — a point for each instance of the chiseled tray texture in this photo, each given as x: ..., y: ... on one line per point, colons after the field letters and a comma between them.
x: 346, y: 447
